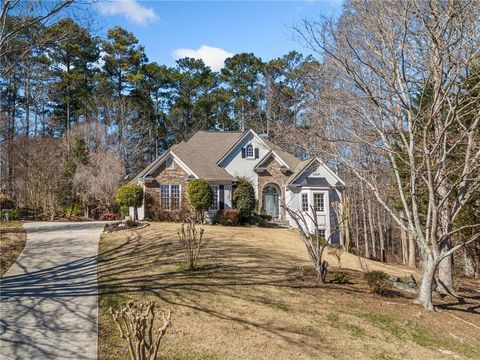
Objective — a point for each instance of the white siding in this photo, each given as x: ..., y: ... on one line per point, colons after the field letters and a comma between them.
x: 237, y: 166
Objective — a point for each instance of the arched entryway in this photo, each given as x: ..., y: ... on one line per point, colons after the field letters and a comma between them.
x: 271, y: 200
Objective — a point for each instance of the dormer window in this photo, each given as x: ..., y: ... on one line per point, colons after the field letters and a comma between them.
x: 249, y: 153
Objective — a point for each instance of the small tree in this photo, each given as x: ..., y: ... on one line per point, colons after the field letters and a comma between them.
x: 200, y: 196
x: 130, y: 195
x: 314, y: 241
x: 191, y: 240
x: 244, y: 198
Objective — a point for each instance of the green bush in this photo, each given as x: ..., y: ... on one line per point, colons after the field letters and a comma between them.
x: 244, y: 198
x: 228, y: 217
x: 74, y: 210
x: 11, y: 214
x: 379, y: 282
x: 341, y: 278
x: 200, y: 195
x: 124, y: 211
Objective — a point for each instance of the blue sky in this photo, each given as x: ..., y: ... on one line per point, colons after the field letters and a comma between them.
x: 212, y: 30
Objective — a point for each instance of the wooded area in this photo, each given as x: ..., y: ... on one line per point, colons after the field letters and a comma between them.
x: 391, y: 102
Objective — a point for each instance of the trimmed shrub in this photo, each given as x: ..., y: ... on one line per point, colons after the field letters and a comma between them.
x: 200, y: 195
x: 228, y: 217
x: 379, y: 282
x: 124, y: 211
x: 244, y: 198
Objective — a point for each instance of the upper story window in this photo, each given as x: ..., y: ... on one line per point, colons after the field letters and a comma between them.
x: 169, y: 164
x: 249, y: 152
x: 319, y: 202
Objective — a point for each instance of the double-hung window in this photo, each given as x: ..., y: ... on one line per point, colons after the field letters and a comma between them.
x: 319, y: 202
x: 175, y: 197
x: 215, y: 205
x: 305, y: 202
x: 321, y: 233
x: 170, y: 197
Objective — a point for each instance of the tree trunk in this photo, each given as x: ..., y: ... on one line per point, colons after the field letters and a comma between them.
x: 445, y: 274
x: 381, y: 236
x: 411, y: 251
x: 372, y: 230
x: 426, y: 286
x: 364, y: 215
x: 135, y: 213
x: 469, y: 265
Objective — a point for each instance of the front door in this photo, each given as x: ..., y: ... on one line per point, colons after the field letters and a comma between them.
x: 271, y: 201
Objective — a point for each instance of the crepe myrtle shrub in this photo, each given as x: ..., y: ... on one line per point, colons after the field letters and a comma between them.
x: 191, y: 241
x: 200, y: 196
x: 244, y: 198
x: 136, y: 322
x: 130, y: 195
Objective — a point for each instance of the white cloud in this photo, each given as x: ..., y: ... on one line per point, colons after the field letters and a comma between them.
x: 131, y: 9
x: 212, y: 56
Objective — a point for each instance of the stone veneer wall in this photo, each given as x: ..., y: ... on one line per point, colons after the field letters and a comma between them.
x: 162, y: 175
x: 272, y: 175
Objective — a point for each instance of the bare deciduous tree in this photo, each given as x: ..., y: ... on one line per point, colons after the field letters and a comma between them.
x: 96, y: 182
x: 398, y: 98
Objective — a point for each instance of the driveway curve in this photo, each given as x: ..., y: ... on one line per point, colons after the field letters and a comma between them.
x: 49, y: 297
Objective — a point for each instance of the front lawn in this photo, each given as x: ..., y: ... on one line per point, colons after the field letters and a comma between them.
x: 255, y: 298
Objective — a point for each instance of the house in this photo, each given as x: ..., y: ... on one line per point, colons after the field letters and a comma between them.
x: 220, y: 157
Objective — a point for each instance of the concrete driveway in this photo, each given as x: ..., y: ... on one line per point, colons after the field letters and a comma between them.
x: 49, y: 297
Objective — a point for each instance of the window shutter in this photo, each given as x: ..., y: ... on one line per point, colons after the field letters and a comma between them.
x: 243, y: 153
x: 256, y: 153
x: 221, y: 197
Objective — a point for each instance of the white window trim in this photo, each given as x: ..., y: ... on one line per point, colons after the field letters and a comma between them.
x: 324, y: 211
x: 302, y: 194
x: 170, y: 196
x: 253, y: 151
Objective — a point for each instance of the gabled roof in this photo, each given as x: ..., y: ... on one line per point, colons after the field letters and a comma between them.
x: 201, y: 154
x: 304, y: 165
x: 276, y: 157
x: 291, y: 160
x: 202, y: 151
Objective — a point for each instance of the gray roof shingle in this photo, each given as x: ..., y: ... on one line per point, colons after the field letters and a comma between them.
x: 203, y: 150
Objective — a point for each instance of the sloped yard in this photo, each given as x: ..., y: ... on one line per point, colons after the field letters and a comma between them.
x: 255, y: 298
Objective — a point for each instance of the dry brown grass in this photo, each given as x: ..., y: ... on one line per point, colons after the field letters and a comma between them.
x: 255, y: 298
x: 12, y: 241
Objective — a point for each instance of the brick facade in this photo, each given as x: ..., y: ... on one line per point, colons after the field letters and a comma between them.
x: 163, y: 175
x: 272, y: 175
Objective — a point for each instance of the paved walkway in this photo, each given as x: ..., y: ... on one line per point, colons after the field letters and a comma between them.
x: 49, y: 298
